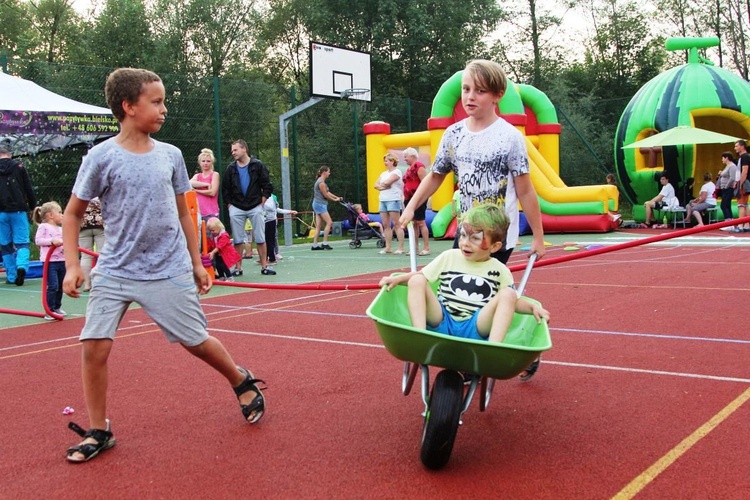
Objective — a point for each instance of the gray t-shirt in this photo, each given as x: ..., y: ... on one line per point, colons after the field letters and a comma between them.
x: 317, y: 193
x: 143, y: 236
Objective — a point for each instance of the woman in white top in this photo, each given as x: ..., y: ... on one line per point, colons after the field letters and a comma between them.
x: 704, y: 200
x: 391, y: 187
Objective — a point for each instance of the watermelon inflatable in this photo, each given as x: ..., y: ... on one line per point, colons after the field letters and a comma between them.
x: 697, y: 94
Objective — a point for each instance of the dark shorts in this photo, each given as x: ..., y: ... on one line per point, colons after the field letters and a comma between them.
x: 420, y: 212
x: 658, y: 205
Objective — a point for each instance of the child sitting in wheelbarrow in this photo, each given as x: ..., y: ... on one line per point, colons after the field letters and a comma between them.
x: 475, y: 296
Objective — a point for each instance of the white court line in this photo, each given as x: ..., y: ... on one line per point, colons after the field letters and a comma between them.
x: 559, y: 363
x: 569, y: 330
x: 152, y: 324
x: 650, y: 372
x: 654, y: 335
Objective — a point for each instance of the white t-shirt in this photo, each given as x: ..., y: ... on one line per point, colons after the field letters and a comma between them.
x: 396, y: 190
x: 485, y: 164
x: 709, y: 188
x: 668, y: 196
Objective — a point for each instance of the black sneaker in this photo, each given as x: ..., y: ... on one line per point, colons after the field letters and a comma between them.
x: 317, y: 247
x: 267, y: 271
x: 237, y: 272
x: 21, y: 276
x: 326, y: 246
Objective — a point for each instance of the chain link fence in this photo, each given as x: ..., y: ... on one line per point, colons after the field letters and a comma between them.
x: 206, y: 112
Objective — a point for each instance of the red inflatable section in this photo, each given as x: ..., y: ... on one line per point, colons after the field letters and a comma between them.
x: 576, y: 223
x: 450, y: 231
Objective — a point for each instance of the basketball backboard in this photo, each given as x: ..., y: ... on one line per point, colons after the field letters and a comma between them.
x: 335, y: 69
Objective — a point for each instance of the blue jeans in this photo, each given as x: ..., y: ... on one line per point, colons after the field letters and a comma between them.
x: 55, y: 277
x: 14, y: 243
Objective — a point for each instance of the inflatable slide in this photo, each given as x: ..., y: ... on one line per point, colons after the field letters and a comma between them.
x: 564, y: 209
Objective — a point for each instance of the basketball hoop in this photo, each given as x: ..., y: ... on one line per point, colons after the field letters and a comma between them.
x: 358, y: 98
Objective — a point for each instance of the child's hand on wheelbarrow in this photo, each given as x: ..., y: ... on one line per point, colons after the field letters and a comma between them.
x: 392, y: 281
x: 524, y: 306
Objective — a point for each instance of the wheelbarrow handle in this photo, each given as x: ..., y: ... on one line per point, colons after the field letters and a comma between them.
x: 527, y: 273
x: 413, y: 246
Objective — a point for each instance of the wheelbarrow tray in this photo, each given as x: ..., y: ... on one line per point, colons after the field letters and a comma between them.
x: 525, y: 340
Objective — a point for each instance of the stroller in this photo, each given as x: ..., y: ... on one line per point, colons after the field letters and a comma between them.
x: 361, y: 229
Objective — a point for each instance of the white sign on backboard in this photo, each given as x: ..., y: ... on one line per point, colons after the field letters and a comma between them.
x: 334, y: 70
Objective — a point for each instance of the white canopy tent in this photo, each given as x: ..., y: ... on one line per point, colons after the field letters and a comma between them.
x: 33, y: 119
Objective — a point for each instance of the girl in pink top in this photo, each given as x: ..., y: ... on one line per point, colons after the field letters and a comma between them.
x: 206, y: 185
x: 49, y: 239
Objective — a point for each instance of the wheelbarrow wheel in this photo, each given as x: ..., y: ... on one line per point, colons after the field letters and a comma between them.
x: 442, y: 418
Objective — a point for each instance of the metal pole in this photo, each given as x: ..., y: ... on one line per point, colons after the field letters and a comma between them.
x: 356, y: 149
x: 217, y: 128
x: 284, y: 146
x: 294, y: 154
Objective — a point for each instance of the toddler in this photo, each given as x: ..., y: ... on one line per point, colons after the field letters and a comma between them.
x: 49, y: 239
x: 220, y: 249
x: 366, y: 218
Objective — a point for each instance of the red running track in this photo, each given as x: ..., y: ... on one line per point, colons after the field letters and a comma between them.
x: 643, y: 393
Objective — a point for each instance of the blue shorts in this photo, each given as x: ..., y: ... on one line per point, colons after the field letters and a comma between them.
x: 390, y: 206
x: 466, y: 329
x: 319, y: 208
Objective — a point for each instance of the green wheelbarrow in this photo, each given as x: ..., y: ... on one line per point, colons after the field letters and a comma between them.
x: 478, y: 362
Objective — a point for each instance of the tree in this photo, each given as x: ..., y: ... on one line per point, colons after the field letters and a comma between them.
x: 415, y: 44
x: 529, y: 47
x: 15, y: 38
x: 56, y: 24
x: 120, y: 36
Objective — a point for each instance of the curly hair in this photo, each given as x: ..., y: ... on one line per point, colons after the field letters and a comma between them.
x: 126, y: 84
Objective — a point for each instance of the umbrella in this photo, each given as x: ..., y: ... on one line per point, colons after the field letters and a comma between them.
x: 680, y: 136
x: 684, y: 134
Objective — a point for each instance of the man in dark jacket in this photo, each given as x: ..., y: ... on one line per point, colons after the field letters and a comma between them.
x: 16, y: 199
x: 245, y: 187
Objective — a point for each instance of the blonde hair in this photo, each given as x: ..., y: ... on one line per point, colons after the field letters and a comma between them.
x: 411, y: 152
x: 215, y: 223
x: 207, y: 153
x: 357, y: 207
x: 488, y: 75
x: 40, y: 213
x: 391, y: 157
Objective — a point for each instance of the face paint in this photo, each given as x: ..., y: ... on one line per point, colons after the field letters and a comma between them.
x: 475, y: 237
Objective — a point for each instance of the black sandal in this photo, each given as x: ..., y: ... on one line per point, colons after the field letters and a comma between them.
x: 530, y: 370
x: 104, y: 441
x: 258, y: 404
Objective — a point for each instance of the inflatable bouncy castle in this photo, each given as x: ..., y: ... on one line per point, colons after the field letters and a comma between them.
x: 696, y: 94
x: 564, y: 209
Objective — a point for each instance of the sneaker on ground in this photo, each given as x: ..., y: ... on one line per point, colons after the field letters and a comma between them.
x: 60, y: 312
x: 237, y: 272
x: 48, y: 317
x: 317, y: 247
x: 728, y: 228
x: 267, y: 271
x: 279, y: 256
x: 326, y: 246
